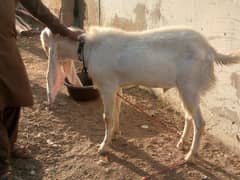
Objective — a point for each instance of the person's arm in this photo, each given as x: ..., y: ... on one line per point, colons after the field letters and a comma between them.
x: 40, y: 11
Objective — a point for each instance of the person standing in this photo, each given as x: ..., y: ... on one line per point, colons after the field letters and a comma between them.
x: 15, y: 91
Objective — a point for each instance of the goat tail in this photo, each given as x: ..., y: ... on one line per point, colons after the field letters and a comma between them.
x: 223, y: 59
x: 44, y: 37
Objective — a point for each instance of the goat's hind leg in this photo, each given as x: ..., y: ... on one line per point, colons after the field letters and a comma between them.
x: 191, y: 102
x: 109, y: 98
x: 198, y: 127
x: 186, y: 131
x: 116, y: 130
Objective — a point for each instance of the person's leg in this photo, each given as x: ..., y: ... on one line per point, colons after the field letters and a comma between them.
x: 4, y: 145
x: 12, y: 116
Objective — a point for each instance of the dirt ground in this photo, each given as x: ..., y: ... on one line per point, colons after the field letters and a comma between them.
x: 63, y: 139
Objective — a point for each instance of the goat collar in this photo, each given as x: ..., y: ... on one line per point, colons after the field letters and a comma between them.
x: 81, y: 53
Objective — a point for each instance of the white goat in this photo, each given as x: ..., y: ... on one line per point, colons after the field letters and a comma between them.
x: 168, y: 57
x: 61, y: 52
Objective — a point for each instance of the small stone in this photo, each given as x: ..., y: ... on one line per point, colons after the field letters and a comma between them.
x: 63, y: 103
x: 53, y: 144
x: 32, y: 172
x: 39, y: 135
x: 145, y: 126
x: 108, y: 170
x: 101, y: 162
x: 50, y: 142
x: 204, y: 177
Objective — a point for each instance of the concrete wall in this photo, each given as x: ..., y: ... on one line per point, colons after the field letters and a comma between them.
x: 62, y: 9
x: 218, y: 20
x: 54, y: 5
x: 92, y: 13
x: 66, y: 15
x: 70, y: 12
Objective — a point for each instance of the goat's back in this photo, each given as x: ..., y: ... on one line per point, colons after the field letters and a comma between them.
x: 162, y: 57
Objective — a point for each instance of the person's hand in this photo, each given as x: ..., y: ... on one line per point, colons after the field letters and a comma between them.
x: 74, y: 35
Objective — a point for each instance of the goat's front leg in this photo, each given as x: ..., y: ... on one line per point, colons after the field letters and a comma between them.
x: 108, y: 97
x: 116, y: 130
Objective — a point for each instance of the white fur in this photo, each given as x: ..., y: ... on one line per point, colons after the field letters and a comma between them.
x: 169, y: 57
x: 60, y: 51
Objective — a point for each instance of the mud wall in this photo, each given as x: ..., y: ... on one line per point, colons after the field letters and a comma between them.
x: 92, y: 14
x: 62, y: 9
x: 54, y: 5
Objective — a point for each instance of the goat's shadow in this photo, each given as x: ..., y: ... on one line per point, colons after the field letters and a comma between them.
x: 205, y: 167
x: 87, y: 120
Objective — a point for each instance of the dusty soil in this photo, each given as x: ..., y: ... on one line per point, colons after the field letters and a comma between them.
x: 63, y: 139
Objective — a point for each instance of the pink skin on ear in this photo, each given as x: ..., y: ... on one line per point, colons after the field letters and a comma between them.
x: 55, y: 75
x: 55, y: 82
x: 55, y: 78
x: 57, y: 71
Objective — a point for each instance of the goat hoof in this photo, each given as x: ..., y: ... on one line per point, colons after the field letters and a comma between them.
x: 103, y: 149
x: 117, y: 135
x: 189, y: 157
x: 180, y: 145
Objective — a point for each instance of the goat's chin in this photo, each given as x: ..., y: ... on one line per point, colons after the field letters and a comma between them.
x: 50, y: 105
x: 50, y: 102
x: 51, y: 99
